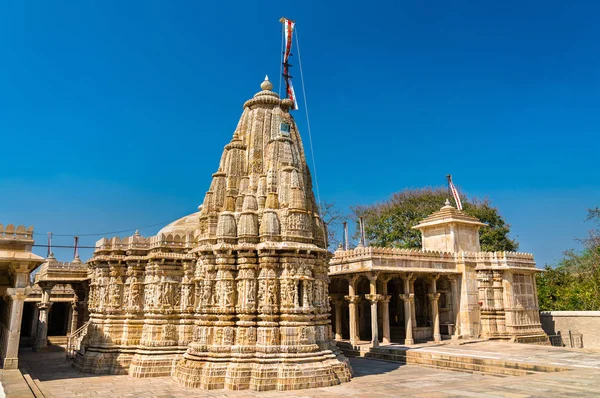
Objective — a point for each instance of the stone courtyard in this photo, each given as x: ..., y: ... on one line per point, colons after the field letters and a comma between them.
x: 50, y: 375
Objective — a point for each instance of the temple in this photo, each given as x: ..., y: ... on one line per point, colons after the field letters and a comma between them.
x: 449, y: 288
x: 243, y: 294
x: 16, y: 263
x: 234, y: 296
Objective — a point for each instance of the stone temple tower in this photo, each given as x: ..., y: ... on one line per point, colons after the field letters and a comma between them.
x: 261, y: 284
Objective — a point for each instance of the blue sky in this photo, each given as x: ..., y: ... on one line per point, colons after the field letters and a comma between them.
x: 113, y: 115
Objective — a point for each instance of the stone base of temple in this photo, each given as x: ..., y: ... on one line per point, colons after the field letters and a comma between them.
x: 98, y: 361
x: 539, y: 339
x: 155, y: 364
x: 281, y: 372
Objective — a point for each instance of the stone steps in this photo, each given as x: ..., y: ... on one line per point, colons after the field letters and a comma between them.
x: 58, y: 340
x: 449, y: 361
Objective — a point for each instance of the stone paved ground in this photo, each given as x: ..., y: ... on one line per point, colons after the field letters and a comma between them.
x: 372, y: 378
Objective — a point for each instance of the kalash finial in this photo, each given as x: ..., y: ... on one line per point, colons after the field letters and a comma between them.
x: 266, y: 85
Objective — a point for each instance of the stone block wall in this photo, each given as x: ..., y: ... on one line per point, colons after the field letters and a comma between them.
x: 585, y: 322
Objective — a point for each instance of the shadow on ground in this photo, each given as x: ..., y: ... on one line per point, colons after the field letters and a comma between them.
x: 368, y: 367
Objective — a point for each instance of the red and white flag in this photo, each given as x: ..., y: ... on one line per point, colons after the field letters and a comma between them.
x: 454, y: 193
x: 288, y: 31
x: 291, y: 94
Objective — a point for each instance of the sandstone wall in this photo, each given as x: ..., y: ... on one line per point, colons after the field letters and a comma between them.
x: 584, y: 322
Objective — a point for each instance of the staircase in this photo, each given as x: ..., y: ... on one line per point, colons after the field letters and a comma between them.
x: 58, y: 340
x: 447, y: 361
x: 75, y: 339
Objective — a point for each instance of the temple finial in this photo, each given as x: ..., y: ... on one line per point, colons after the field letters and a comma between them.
x: 266, y: 85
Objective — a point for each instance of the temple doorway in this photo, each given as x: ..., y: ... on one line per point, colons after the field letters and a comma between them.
x: 59, y: 319
x: 28, y: 323
x: 396, y: 309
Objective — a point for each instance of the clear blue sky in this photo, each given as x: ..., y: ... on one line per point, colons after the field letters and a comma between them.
x: 113, y: 114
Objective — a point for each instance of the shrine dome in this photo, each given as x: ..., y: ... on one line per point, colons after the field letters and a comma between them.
x: 182, y: 226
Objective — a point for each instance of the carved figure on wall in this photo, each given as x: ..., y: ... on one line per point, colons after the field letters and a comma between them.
x: 228, y: 336
x: 186, y: 294
x: 262, y: 292
x: 207, y: 293
x: 229, y: 293
x: 135, y: 295
x: 272, y: 293
x: 115, y: 295
x: 250, y: 292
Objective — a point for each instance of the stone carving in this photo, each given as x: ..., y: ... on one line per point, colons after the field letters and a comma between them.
x: 214, y: 280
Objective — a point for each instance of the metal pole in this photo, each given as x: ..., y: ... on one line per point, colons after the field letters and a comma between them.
x: 345, y: 235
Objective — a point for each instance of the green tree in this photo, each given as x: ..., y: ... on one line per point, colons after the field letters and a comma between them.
x: 574, y: 284
x: 389, y: 223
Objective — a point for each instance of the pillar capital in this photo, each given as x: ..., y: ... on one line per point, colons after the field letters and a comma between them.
x: 408, y: 277
x: 46, y: 285
x: 372, y: 276
x: 352, y: 299
x: 373, y: 298
x: 433, y: 296
x: 407, y: 297
x: 18, y: 293
x: 385, y: 298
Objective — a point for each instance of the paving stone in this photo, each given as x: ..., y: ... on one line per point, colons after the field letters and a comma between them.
x: 372, y: 378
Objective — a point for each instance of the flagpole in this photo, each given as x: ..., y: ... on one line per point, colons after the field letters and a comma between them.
x: 449, y: 181
x: 49, y: 244
x: 75, y: 250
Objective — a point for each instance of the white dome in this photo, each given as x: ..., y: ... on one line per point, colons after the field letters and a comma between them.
x: 184, y: 225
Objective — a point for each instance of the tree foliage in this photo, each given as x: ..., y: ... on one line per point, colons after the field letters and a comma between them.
x: 390, y: 223
x: 574, y: 284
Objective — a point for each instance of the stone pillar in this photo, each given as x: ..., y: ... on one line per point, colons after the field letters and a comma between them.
x: 409, y: 300
x: 338, y: 319
x: 74, y: 316
x: 353, y: 300
x: 385, y: 309
x: 385, y: 303
x: 435, y: 313
x: 44, y: 308
x: 17, y: 296
x: 455, y: 306
x: 352, y: 305
x: 373, y: 299
x: 499, y: 301
x: 409, y: 309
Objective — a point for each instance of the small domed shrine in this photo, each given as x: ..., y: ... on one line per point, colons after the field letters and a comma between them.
x: 236, y: 295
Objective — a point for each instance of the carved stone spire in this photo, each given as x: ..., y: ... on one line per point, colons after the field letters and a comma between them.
x: 265, y: 154
x: 263, y: 264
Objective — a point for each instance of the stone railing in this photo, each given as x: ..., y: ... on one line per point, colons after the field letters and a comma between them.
x: 382, y: 257
x: 75, y: 339
x: 137, y: 242
x: 53, y: 269
x: 19, y: 233
x: 343, y: 260
x: 367, y: 252
x: 499, y: 259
